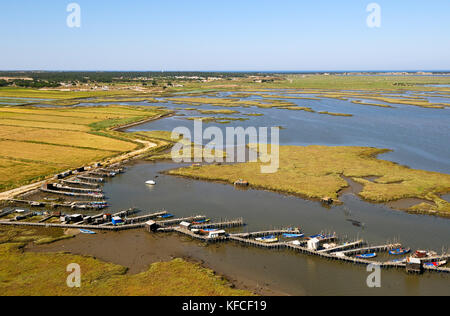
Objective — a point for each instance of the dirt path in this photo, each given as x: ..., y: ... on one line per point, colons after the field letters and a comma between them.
x: 33, y: 186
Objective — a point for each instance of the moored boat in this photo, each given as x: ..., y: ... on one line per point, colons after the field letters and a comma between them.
x: 435, y: 264
x: 87, y: 232
x: 267, y: 239
x: 203, y: 221
x: 367, y: 256
x: 150, y: 182
x: 399, y: 251
x: 293, y: 235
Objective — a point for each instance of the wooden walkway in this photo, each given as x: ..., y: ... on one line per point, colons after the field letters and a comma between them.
x: 176, y: 221
x: 85, y: 195
x: 91, y: 179
x: 221, y: 224
x: 366, y: 250
x: 80, y: 183
x: 343, y: 247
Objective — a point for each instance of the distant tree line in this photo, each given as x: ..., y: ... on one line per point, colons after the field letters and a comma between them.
x: 29, y: 83
x: 115, y: 76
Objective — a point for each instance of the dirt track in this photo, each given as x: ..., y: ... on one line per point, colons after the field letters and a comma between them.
x: 23, y: 189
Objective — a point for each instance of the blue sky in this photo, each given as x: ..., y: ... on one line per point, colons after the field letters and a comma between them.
x: 279, y: 35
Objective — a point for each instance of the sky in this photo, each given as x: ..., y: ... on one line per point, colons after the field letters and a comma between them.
x: 225, y: 35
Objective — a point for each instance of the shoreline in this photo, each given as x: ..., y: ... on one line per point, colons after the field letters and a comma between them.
x: 340, y: 193
x: 10, y: 194
x: 148, y: 249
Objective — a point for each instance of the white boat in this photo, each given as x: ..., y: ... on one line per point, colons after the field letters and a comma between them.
x: 150, y: 182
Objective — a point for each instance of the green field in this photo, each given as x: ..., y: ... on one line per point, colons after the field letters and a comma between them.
x: 37, y: 274
x: 36, y: 143
x: 315, y: 172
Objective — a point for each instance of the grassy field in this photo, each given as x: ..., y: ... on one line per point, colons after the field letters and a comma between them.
x: 166, y: 142
x: 32, y: 274
x: 331, y: 82
x: 315, y: 172
x: 38, y: 142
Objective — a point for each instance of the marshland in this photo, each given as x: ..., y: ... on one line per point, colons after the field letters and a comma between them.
x: 385, y: 166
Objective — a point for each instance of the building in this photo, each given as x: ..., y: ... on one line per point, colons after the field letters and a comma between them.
x: 217, y: 234
x: 117, y: 220
x: 314, y: 244
x: 151, y: 226
x: 185, y: 225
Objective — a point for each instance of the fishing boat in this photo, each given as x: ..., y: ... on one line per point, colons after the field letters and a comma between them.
x: 367, y: 256
x: 203, y: 221
x: 435, y: 264
x: 150, y: 182
x: 399, y: 260
x: 293, y: 235
x: 207, y: 231
x: 165, y: 216
x: 267, y: 239
x: 399, y: 251
x: 87, y: 232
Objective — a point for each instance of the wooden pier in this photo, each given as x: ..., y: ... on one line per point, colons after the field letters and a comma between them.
x: 382, y: 248
x: 85, y: 195
x: 176, y: 221
x: 343, y: 247
x: 91, y: 179
x: 221, y: 224
x: 81, y: 183
x: 344, y: 252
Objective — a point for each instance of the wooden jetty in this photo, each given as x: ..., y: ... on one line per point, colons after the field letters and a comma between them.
x: 343, y: 247
x: 77, y: 190
x: 144, y: 218
x: 277, y: 232
x: 91, y: 179
x: 198, y: 236
x: 72, y: 205
x: 255, y: 243
x: 85, y: 195
x: 78, y: 225
x: 176, y: 221
x: 81, y: 183
x: 221, y: 224
x: 102, y: 174
x: 382, y: 248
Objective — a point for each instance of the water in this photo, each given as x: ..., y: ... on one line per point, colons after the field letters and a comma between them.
x: 283, y: 270
x: 416, y: 135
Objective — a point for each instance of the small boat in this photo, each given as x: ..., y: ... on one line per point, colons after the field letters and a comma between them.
x: 293, y: 235
x: 203, y: 221
x: 150, y: 182
x: 399, y: 251
x: 435, y: 264
x: 267, y: 239
x: 165, y: 216
x: 367, y: 256
x: 87, y: 232
x: 420, y: 254
x: 399, y: 260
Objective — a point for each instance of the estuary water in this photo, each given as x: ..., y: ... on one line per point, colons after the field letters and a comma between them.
x: 418, y: 137
x: 283, y: 271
